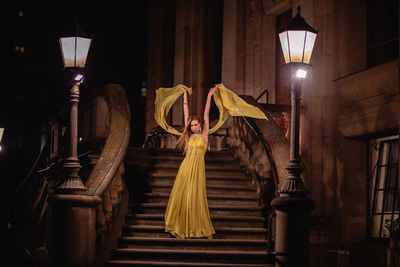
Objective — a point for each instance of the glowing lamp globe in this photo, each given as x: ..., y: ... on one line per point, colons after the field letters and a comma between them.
x: 297, y: 40
x: 74, y: 51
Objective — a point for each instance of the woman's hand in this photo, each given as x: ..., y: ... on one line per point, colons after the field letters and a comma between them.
x: 212, y: 91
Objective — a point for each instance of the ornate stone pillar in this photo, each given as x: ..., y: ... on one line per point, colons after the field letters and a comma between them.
x: 73, y: 230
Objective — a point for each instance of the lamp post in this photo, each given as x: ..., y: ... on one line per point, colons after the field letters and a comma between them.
x: 74, y: 52
x: 293, y: 206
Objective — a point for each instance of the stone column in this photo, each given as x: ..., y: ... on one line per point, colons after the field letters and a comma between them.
x: 73, y: 230
x: 160, y: 53
x: 196, y: 54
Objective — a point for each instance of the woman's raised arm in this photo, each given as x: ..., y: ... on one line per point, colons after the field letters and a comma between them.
x: 185, y: 107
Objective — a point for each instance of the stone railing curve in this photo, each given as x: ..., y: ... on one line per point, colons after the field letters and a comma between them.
x: 277, y: 143
x: 117, y: 142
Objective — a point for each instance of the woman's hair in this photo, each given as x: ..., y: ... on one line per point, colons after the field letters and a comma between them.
x: 187, y: 133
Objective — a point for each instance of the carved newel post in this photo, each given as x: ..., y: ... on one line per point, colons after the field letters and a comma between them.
x: 293, y: 206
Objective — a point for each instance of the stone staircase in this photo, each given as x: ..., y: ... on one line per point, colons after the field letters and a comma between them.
x: 238, y: 219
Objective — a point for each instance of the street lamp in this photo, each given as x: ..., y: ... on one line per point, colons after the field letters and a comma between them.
x: 74, y: 52
x: 297, y: 41
x: 293, y: 206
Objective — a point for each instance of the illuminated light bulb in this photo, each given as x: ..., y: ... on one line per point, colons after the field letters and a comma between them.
x: 78, y: 78
x: 301, y: 73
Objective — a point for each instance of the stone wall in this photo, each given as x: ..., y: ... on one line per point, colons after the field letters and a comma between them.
x: 343, y: 102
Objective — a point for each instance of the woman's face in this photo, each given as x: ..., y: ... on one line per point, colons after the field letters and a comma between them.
x: 195, y: 127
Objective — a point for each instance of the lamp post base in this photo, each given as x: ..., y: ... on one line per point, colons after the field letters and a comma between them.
x: 292, y: 230
x: 72, y: 241
x: 72, y: 181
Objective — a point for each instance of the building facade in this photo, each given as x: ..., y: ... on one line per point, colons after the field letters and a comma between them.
x: 350, y: 107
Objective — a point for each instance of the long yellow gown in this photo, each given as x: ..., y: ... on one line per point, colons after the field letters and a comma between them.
x: 187, y: 213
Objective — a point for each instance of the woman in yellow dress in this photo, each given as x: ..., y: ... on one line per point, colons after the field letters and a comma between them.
x: 187, y: 214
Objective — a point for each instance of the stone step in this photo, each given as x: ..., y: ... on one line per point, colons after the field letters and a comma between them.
x: 237, y: 217
x: 232, y: 256
x: 222, y: 173
x: 151, y: 152
x: 193, y: 244
x: 159, y: 208
x: 223, y: 157
x: 211, y: 189
x: 217, y: 220
x: 147, y: 263
x: 175, y: 163
x: 169, y: 179
x: 220, y: 232
x: 227, y: 199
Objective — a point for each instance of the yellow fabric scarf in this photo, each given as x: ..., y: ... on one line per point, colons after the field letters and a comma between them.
x: 228, y: 103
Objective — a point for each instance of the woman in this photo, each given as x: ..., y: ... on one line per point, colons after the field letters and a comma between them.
x: 187, y: 214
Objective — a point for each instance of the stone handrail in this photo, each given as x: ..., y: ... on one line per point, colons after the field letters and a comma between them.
x: 114, y: 150
x: 275, y: 139
x: 106, y: 180
x: 254, y: 157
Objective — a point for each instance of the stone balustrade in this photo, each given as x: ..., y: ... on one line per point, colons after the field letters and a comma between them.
x: 249, y: 150
x: 160, y: 139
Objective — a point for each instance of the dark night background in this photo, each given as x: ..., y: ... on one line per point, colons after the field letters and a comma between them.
x: 34, y: 86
